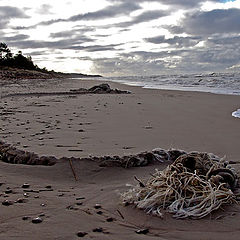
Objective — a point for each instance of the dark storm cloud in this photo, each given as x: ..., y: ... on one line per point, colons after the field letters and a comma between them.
x: 108, y: 12
x: 38, y: 53
x: 3, y: 23
x: 214, y: 56
x: 219, y: 40
x: 65, y: 41
x: 185, y: 3
x: 18, y: 37
x: 144, y: 17
x: 175, y: 41
x: 211, y: 22
x: 69, y: 44
x: 209, y: 59
x: 96, y: 48
x: 7, y: 13
x: 134, y: 63
x: 63, y: 34
x: 73, y: 32
x: 174, y: 3
x: 144, y: 55
x: 121, y: 66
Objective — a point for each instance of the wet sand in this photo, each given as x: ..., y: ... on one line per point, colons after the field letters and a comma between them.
x: 106, y: 124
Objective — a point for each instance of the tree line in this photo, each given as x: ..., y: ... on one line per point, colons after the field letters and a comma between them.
x: 8, y: 59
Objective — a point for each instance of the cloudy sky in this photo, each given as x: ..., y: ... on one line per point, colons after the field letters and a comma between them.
x: 125, y: 37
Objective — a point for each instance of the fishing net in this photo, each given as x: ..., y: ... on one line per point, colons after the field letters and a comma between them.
x: 194, y: 185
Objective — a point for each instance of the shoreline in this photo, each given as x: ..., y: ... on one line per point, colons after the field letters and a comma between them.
x: 149, y: 118
x: 195, y: 87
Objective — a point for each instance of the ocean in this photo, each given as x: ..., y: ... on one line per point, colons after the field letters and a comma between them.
x: 218, y: 83
x: 222, y: 83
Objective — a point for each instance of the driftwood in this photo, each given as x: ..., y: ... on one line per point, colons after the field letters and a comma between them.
x: 71, y: 165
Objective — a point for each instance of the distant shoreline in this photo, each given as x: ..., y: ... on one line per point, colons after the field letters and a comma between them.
x: 7, y: 73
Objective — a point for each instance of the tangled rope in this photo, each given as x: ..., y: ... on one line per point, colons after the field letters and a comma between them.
x: 193, y: 186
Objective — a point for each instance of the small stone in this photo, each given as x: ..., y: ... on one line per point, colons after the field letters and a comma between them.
x: 25, y: 185
x: 81, y: 234
x: 41, y: 215
x: 98, y: 229
x: 72, y: 207
x: 142, y: 231
x: 99, y: 212
x: 48, y: 187
x: 43, y: 205
x: 25, y: 218
x: 37, y: 220
x: 8, y: 191
x: 36, y: 196
x: 110, y: 219
x: 97, y: 206
x: 80, y: 198
x: 26, y: 195
x: 21, y: 200
x: 7, y: 203
x: 69, y: 207
x: 61, y: 194
x: 79, y: 203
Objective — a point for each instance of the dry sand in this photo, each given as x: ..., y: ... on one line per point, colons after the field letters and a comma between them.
x: 106, y: 124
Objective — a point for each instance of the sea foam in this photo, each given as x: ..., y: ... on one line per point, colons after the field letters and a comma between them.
x: 236, y: 114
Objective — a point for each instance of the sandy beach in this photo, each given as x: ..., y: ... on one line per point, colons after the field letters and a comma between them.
x: 105, y: 124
